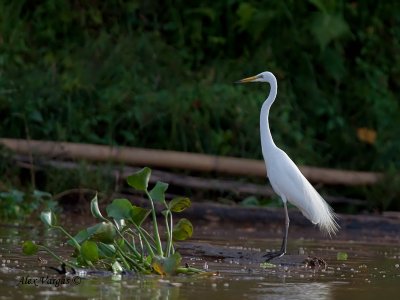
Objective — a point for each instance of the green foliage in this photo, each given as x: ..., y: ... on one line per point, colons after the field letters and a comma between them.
x: 183, y: 230
x: 115, y: 245
x: 29, y: 248
x: 166, y: 265
x: 140, y: 180
x: 250, y: 201
x: 341, y: 256
x: 159, y: 75
x: 95, y: 210
x: 119, y: 209
x: 16, y: 204
x: 158, y: 191
x: 90, y: 251
x: 179, y: 204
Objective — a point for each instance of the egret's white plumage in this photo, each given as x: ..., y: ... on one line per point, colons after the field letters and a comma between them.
x: 285, y: 177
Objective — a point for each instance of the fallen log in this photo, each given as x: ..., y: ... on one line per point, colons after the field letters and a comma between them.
x: 180, y: 160
x: 239, y: 188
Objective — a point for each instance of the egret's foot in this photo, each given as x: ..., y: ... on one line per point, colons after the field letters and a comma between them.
x: 270, y: 255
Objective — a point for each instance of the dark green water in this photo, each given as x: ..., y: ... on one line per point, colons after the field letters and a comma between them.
x: 371, y: 272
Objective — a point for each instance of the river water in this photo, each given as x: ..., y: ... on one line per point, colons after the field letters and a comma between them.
x: 371, y: 270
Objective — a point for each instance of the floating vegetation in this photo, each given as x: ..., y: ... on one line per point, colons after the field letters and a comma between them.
x: 266, y: 265
x: 120, y: 242
x: 341, y: 256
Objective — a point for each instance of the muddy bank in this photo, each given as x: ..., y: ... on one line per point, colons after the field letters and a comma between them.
x: 262, y: 222
x: 377, y: 226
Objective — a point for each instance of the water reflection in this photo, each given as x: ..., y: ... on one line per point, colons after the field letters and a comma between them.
x: 298, y: 291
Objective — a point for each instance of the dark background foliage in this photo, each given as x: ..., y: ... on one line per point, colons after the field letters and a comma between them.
x: 160, y: 74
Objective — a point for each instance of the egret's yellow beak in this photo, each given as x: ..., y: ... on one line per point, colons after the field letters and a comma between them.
x: 248, y: 79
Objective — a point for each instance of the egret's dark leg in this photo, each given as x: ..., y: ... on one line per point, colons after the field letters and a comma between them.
x: 270, y: 255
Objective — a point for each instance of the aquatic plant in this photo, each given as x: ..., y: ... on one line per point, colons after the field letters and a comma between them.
x: 16, y: 204
x: 120, y: 242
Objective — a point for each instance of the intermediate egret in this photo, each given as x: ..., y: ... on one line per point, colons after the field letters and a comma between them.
x: 286, y: 179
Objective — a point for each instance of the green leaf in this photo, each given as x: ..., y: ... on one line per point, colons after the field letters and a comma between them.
x: 158, y: 191
x: 85, y: 234
x: 179, y: 204
x: 106, y: 250
x: 250, y: 201
x: 80, y: 237
x: 94, y: 208
x: 138, y: 214
x: 341, y: 256
x: 48, y: 218
x: 29, y: 248
x: 166, y: 265
x: 140, y: 180
x: 90, y: 251
x: 104, y: 233
x: 119, y: 209
x: 182, y: 230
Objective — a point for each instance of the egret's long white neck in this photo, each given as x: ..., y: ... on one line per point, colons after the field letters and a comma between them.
x: 267, y: 143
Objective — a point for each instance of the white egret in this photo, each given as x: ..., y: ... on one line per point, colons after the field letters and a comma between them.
x: 285, y: 178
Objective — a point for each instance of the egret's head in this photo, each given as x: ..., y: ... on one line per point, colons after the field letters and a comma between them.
x: 262, y: 77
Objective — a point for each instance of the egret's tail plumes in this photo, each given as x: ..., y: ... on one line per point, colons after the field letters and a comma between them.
x: 318, y: 211
x: 327, y: 222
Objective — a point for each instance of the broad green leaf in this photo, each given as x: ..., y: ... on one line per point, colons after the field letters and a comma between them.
x: 119, y: 209
x: 140, y: 180
x: 85, y: 234
x: 94, y: 208
x: 179, y: 204
x: 80, y: 237
x: 105, y: 233
x: 29, y: 248
x: 90, y: 251
x: 182, y: 230
x: 48, y: 218
x: 158, y: 191
x: 138, y: 214
x: 81, y: 261
x: 106, y: 250
x: 166, y: 265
